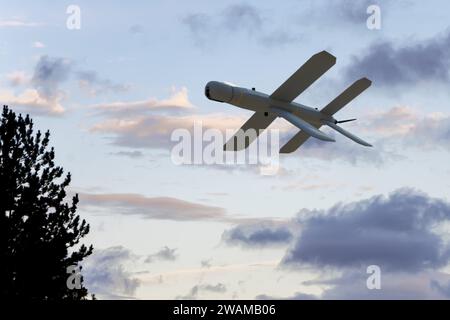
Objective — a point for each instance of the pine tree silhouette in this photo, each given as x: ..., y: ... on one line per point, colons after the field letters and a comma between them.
x: 40, y: 232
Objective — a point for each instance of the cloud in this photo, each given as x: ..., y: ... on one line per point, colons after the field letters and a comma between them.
x: 38, y: 45
x: 154, y: 130
x: 197, y: 289
x: 237, y: 19
x: 165, y: 254
x: 394, y: 121
x: 394, y: 285
x: 431, y: 132
x: 279, y: 37
x: 258, y: 235
x: 31, y: 100
x: 388, y: 64
x: 443, y: 289
x: 206, y: 263
x: 199, y: 24
x: 142, y: 125
x: 347, y: 15
x: 392, y: 131
x: 165, y: 208
x: 394, y: 233
x: 15, y: 23
x: 178, y: 101
x: 344, y: 150
x: 402, y: 233
x: 92, y: 83
x: 352, y: 11
x: 49, y: 74
x: 130, y: 154
x: 296, y: 296
x: 136, y: 29
x: 18, y: 78
x: 348, y: 12
x: 242, y: 17
x: 302, y: 185
x: 352, y: 285
x: 150, y: 124
x: 406, y: 126
x: 105, y: 273
x: 44, y: 96
x: 161, y: 208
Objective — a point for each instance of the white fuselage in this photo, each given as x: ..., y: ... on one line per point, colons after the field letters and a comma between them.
x: 261, y: 102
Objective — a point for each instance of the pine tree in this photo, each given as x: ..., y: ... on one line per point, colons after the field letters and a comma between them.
x: 40, y: 231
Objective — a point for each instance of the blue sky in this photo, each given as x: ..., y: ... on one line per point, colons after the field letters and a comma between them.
x: 112, y: 92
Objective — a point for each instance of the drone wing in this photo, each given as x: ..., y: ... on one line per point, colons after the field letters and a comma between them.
x: 309, y: 72
x: 330, y: 109
x: 249, y: 131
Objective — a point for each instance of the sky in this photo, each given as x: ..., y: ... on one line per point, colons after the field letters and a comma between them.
x: 112, y: 91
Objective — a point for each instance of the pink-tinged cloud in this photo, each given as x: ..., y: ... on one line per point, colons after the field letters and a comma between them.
x: 18, y: 78
x: 164, y: 208
x: 32, y: 101
x: 410, y: 128
x: 178, y: 101
x: 397, y: 120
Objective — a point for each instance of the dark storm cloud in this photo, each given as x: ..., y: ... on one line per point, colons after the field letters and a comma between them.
x: 387, y: 63
x: 165, y: 254
x: 394, y: 233
x: 49, y: 73
x: 105, y: 273
x: 258, y: 235
x: 401, y: 234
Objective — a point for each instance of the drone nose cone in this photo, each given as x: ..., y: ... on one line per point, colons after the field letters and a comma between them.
x: 218, y: 91
x: 207, y: 90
